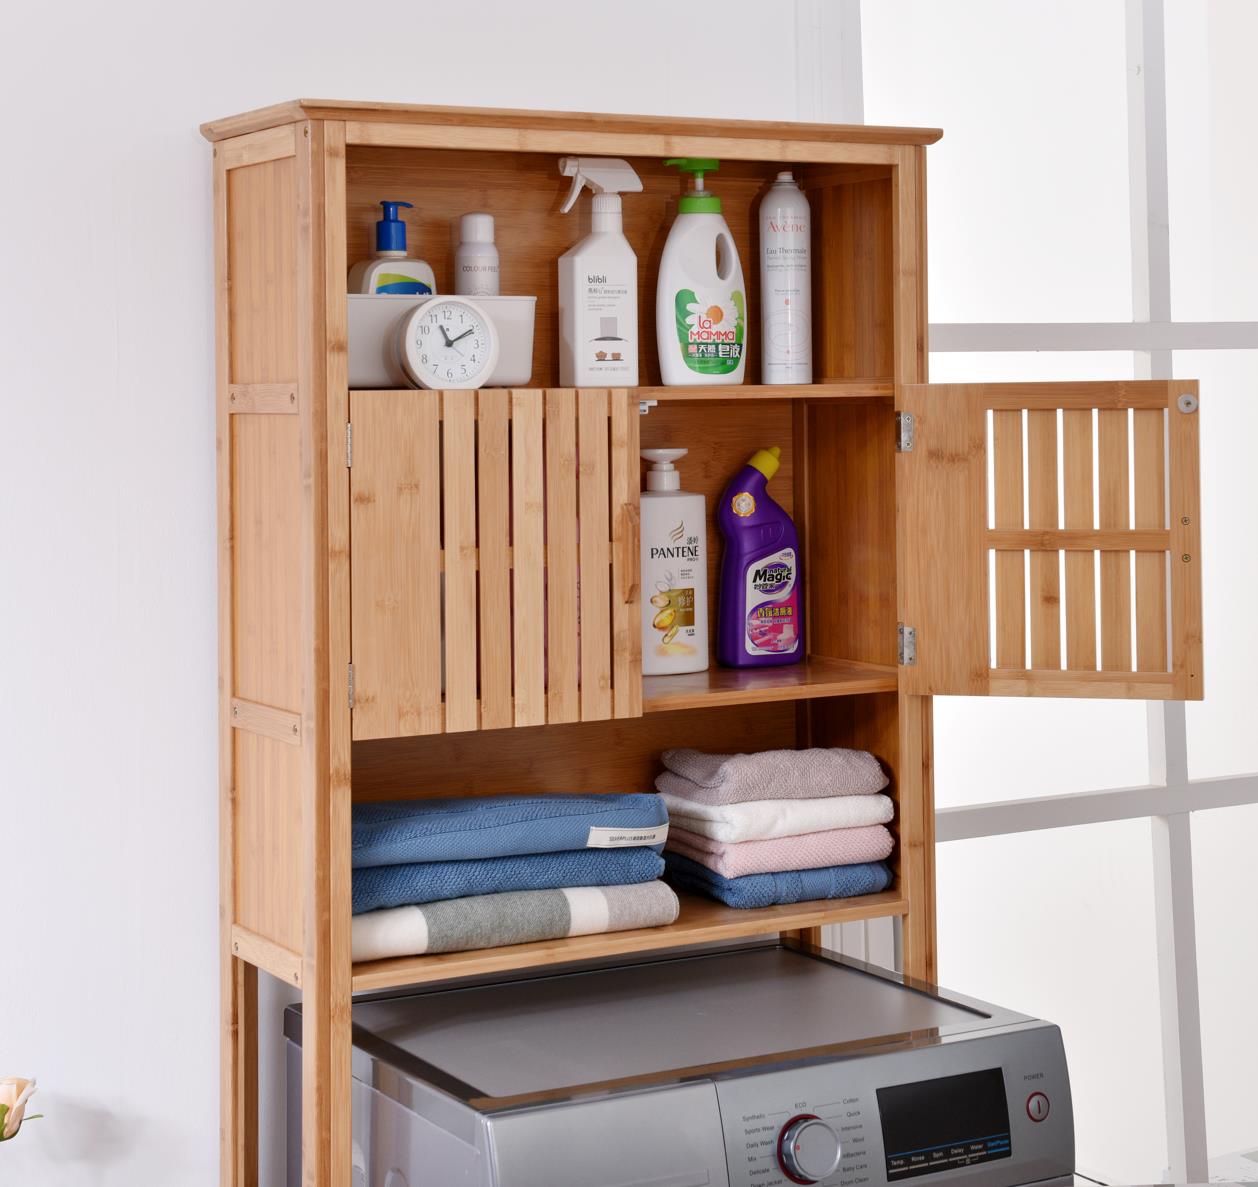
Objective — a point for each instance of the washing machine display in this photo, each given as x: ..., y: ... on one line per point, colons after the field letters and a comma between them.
x: 944, y: 1123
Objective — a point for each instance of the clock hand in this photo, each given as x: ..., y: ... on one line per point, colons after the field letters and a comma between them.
x: 463, y: 335
x: 445, y: 335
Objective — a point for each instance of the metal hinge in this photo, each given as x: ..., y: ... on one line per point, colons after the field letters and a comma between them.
x: 349, y: 446
x: 907, y: 644
x: 904, y: 427
x: 351, y: 686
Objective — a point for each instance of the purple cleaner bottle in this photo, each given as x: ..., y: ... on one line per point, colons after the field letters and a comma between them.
x: 760, y: 610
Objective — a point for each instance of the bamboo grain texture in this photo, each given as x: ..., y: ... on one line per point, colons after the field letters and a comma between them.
x: 1085, y: 504
x: 494, y: 559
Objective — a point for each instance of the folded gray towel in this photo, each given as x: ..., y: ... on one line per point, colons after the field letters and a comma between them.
x: 769, y: 775
x: 514, y: 917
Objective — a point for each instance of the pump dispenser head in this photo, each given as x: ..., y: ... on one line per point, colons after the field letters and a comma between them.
x: 663, y: 474
x: 608, y: 177
x: 391, y: 230
x: 698, y: 201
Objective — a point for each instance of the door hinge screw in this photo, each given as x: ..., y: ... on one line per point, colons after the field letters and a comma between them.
x: 904, y: 432
x: 907, y: 644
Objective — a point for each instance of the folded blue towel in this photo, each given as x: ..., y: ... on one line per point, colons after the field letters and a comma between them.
x: 791, y: 886
x: 458, y: 827
x: 428, y: 881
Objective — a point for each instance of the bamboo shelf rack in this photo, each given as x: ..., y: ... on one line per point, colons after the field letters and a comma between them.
x: 412, y: 605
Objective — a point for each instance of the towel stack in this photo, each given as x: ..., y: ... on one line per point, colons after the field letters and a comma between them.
x: 446, y: 875
x: 782, y: 826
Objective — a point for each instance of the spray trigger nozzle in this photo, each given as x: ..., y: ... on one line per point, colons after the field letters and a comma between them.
x: 604, y: 175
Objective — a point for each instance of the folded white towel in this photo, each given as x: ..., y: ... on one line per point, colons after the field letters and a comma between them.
x: 757, y: 820
x: 769, y: 775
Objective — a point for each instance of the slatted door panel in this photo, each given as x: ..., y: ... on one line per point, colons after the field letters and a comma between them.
x: 494, y: 557
x: 1049, y: 542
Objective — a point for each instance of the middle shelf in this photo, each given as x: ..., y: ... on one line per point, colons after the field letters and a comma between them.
x: 815, y: 677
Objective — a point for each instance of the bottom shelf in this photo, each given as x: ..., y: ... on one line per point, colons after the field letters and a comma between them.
x: 701, y: 921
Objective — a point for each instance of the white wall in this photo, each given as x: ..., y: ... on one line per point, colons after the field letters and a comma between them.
x: 109, y: 986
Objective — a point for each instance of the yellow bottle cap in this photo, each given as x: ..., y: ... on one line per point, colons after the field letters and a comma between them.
x: 767, y: 461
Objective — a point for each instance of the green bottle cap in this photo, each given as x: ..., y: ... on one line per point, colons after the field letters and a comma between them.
x: 698, y: 201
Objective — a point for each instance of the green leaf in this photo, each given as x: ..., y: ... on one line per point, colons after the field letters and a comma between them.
x: 4, y: 1112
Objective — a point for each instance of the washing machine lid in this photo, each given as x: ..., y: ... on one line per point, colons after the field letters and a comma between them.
x: 711, y: 1013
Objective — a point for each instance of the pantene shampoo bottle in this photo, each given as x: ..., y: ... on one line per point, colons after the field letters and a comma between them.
x: 785, y: 284
x: 598, y: 282
x: 674, y: 571
x: 760, y: 608
x: 700, y: 298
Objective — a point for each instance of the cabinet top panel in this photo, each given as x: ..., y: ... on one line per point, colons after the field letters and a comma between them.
x: 557, y: 121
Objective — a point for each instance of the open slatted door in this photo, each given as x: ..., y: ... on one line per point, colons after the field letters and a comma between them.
x: 1049, y: 539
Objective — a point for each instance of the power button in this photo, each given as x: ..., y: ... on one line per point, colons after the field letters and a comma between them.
x: 1037, y: 1106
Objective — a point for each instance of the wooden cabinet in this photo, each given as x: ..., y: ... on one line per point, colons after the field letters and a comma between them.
x: 427, y: 593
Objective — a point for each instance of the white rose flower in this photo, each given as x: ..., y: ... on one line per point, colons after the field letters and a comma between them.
x: 14, y: 1093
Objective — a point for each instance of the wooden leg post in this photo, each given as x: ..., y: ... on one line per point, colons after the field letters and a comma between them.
x: 917, y: 821
x: 238, y: 1131
x: 322, y: 386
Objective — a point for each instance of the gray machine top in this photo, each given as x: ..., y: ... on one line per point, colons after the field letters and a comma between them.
x: 685, y: 1014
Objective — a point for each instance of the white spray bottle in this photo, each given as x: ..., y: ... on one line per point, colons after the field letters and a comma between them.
x: 785, y: 284
x: 598, y: 282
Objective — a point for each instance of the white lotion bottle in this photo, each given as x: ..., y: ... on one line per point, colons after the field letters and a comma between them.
x: 476, y: 258
x: 391, y: 272
x: 598, y: 282
x: 785, y: 284
x: 674, y: 570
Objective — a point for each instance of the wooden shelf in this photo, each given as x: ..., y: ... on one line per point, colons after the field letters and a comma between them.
x: 701, y: 920
x: 830, y: 389
x: 816, y: 677
x: 835, y: 389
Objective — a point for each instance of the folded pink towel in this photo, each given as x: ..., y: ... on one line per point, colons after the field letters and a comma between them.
x: 769, y: 775
x: 807, y: 851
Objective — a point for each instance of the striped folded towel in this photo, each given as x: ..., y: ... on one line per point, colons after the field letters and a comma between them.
x: 810, y: 851
x: 758, y: 820
x: 428, y: 881
x: 815, y: 773
x: 453, y: 828
x: 767, y: 890
x: 494, y: 920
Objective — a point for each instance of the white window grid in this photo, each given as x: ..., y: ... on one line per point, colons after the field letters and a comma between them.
x: 828, y: 47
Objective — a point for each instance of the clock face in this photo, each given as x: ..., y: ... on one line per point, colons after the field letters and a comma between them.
x: 449, y: 342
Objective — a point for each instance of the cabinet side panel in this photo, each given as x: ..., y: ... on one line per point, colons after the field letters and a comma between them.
x: 853, y: 271
x: 262, y: 262
x: 850, y: 550
x: 268, y: 868
x: 265, y: 515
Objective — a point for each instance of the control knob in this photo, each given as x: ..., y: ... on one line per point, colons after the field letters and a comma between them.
x: 808, y: 1149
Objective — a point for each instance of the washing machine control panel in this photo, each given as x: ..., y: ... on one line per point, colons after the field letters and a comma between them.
x: 992, y: 1109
